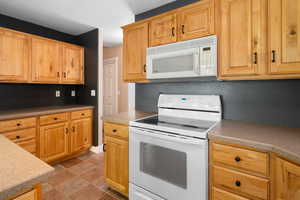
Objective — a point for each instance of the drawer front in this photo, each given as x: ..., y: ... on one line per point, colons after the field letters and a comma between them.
x: 29, y: 145
x: 81, y: 114
x: 32, y: 195
x: 21, y: 135
x: 54, y: 118
x: 116, y: 130
x: 241, y: 158
x: 218, y: 194
x: 17, y: 124
x: 243, y: 183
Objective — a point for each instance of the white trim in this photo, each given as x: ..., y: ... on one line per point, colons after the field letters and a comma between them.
x: 131, y: 96
x: 97, y: 149
x: 114, y: 61
x: 100, y: 88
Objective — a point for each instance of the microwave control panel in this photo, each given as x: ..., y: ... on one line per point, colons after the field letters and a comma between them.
x: 208, y: 60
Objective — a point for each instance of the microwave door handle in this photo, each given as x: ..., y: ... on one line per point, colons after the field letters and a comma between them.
x: 171, y: 138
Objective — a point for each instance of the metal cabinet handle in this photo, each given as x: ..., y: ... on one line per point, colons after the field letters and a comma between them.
x: 238, y: 183
x: 58, y: 74
x: 73, y: 129
x: 273, y: 56
x: 255, y: 58
x: 182, y: 29
x: 65, y: 74
x: 145, y: 70
x: 173, y: 31
x: 104, y: 150
x: 237, y: 159
x: 67, y: 130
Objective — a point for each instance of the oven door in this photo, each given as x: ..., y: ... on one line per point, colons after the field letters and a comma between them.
x: 172, y: 167
x: 176, y: 64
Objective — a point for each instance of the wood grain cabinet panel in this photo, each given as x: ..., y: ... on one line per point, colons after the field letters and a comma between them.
x: 135, y: 43
x: 17, y: 124
x: 32, y: 195
x: 81, y: 134
x: 81, y: 114
x: 218, y: 194
x: 284, y: 37
x: 14, y: 56
x: 53, y: 118
x: 54, y: 141
x: 116, y: 130
x: 163, y: 30
x: 46, y: 61
x: 73, y: 67
x: 116, y: 164
x: 287, y: 180
x: 242, y: 37
x: 196, y: 20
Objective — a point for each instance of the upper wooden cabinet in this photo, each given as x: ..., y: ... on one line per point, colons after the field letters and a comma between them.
x: 284, y: 37
x: 163, y: 30
x: 196, y: 20
x: 26, y: 58
x: 287, y: 180
x: 134, y: 52
x: 14, y: 56
x: 46, y: 61
x: 72, y: 68
x: 241, y: 37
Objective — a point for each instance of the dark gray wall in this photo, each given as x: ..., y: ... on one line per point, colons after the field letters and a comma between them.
x: 91, y: 42
x: 275, y: 102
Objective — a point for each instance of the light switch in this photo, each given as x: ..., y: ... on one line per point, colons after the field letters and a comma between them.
x: 73, y: 93
x: 57, y: 93
x: 93, y: 93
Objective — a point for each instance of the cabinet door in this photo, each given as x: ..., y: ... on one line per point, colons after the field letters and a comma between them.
x: 284, y: 36
x: 163, y: 30
x: 242, y: 32
x: 196, y: 20
x: 54, y: 143
x: 14, y: 56
x: 73, y: 58
x: 116, y: 164
x: 134, y: 52
x: 81, y: 134
x: 287, y: 180
x: 46, y: 61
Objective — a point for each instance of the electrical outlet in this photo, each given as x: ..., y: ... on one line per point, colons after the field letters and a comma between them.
x: 57, y: 93
x: 73, y: 93
x: 93, y: 93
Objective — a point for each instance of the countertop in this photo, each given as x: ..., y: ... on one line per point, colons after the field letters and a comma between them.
x: 29, y: 112
x: 19, y: 170
x: 126, y: 117
x: 285, y: 142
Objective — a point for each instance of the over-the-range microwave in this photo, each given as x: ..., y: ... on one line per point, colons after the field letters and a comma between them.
x: 193, y: 58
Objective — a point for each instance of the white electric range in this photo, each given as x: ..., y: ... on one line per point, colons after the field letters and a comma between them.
x: 168, y: 152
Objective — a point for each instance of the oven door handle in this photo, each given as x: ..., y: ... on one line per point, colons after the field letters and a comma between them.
x: 164, y: 136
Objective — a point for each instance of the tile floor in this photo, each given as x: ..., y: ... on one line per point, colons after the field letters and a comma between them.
x: 79, y: 179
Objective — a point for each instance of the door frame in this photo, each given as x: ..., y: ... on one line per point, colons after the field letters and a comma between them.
x: 113, y: 60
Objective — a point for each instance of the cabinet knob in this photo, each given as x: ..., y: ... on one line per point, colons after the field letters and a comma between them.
x: 55, y: 118
x: 18, y: 124
x: 82, y: 114
x: 237, y: 159
x: 238, y: 183
x: 18, y: 137
x: 114, y: 130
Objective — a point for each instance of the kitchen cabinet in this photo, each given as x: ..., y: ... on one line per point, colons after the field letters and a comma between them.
x: 72, y: 69
x: 46, y: 61
x: 34, y: 194
x: 242, y: 36
x: 14, y: 56
x: 54, y: 140
x: 287, y: 180
x: 116, y: 157
x: 284, y: 37
x: 81, y: 134
x: 135, y: 43
x: 196, y: 20
x: 163, y: 30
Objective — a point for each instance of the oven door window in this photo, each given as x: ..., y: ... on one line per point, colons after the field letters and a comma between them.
x: 172, y: 170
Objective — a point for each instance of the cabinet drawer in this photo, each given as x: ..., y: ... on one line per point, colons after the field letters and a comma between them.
x: 29, y: 145
x: 16, y: 124
x: 116, y: 130
x: 241, y: 158
x: 243, y: 183
x: 21, y: 135
x: 54, y: 118
x: 32, y: 195
x: 218, y: 194
x: 81, y: 113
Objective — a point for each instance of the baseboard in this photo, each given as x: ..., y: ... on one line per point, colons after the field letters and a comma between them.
x: 97, y: 149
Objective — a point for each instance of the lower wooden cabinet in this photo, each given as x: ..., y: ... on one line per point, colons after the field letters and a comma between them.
x: 116, y: 157
x: 81, y: 134
x: 218, y: 194
x: 32, y: 194
x: 287, y: 180
x: 54, y: 141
